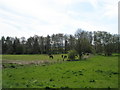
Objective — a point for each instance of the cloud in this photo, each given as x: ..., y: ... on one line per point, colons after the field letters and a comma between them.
x: 112, y: 11
x: 42, y: 17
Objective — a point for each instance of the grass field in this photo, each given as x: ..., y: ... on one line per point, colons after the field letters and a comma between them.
x: 30, y: 57
x: 95, y: 72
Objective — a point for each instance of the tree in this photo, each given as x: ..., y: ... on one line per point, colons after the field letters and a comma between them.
x: 98, y: 41
x: 108, y: 44
x: 71, y: 42
x: 41, y: 43
x: 72, y: 54
x: 48, y: 45
x: 29, y: 45
x: 9, y: 45
x: 82, y: 45
x: 23, y: 44
x: 116, y: 43
x: 66, y: 47
x: 4, y: 45
x: 57, y: 43
x: 17, y: 47
x: 35, y: 45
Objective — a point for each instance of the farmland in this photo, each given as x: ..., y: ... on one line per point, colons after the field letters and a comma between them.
x: 95, y: 72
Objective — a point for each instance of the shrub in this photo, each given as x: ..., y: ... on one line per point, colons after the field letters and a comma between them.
x: 72, y: 54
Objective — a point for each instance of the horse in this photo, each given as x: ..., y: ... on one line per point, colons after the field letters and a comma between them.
x: 51, y: 56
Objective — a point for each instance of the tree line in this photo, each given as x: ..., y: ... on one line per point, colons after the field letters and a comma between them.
x: 99, y: 42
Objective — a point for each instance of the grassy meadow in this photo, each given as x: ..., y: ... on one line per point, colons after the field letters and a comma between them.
x: 31, y: 57
x: 95, y: 72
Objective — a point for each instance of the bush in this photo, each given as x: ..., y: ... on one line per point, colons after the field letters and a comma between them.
x: 72, y: 54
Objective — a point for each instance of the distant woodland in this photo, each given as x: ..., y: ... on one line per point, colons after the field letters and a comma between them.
x: 99, y: 42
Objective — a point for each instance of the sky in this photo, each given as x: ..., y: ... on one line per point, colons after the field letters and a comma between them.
x: 25, y: 18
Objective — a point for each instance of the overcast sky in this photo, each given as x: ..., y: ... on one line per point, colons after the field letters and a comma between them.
x: 42, y: 17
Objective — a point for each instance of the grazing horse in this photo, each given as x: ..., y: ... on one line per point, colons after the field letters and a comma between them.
x: 64, y: 57
x: 51, y: 56
x: 87, y: 53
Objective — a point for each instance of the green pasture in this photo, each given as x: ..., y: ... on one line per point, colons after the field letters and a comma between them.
x: 95, y: 72
x: 31, y: 57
